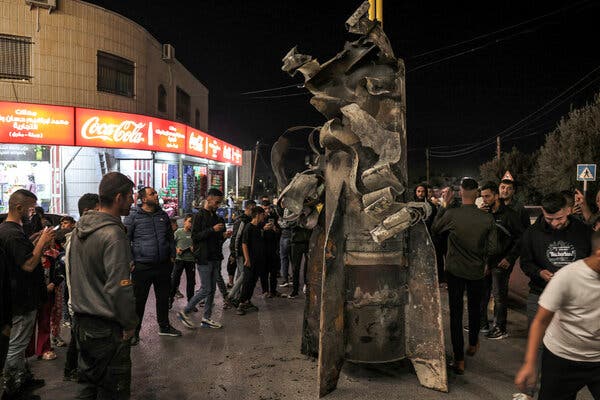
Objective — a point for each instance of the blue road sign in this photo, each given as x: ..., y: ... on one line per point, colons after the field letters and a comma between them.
x: 586, y: 172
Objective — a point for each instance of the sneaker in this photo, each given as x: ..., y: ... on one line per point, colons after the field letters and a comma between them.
x: 250, y: 307
x: 269, y: 295
x: 72, y: 375
x: 483, y: 329
x: 521, y: 396
x: 285, y: 284
x: 240, y: 310
x: 58, y: 342
x: 134, y: 341
x: 169, y: 331
x: 186, y: 320
x: 178, y: 295
x: 497, y: 334
x: 209, y: 323
x: 49, y: 355
x: 292, y: 295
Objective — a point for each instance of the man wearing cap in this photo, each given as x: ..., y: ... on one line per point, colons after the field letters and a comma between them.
x: 471, y: 239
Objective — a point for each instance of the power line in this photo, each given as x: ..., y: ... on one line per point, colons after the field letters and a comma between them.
x: 280, y: 96
x: 497, y: 31
x: 299, y: 86
x: 514, y: 128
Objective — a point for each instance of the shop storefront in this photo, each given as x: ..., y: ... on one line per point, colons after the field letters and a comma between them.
x: 180, y: 162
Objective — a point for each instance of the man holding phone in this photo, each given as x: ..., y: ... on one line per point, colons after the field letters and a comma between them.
x: 271, y: 234
x: 208, y: 235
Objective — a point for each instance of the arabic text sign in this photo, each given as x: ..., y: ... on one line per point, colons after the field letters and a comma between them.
x: 200, y: 144
x: 98, y: 128
x: 25, y: 123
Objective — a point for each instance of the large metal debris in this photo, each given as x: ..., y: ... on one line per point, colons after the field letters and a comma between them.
x: 378, y: 299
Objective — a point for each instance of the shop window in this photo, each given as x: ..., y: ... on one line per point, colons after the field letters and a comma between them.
x: 197, y: 119
x: 162, y: 99
x: 115, y: 74
x: 15, y: 57
x: 182, y: 108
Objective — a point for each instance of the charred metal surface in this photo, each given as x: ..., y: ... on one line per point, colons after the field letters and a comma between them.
x: 379, y: 299
x: 312, y: 309
x: 424, y: 333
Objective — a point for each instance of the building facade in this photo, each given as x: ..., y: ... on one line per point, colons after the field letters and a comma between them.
x: 97, y: 62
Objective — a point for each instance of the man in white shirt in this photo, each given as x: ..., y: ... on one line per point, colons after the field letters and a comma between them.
x: 571, y: 358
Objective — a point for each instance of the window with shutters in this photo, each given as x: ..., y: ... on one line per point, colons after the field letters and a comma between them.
x: 115, y: 75
x: 15, y: 57
x: 183, y: 107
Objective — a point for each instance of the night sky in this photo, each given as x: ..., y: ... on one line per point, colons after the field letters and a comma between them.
x: 524, y: 54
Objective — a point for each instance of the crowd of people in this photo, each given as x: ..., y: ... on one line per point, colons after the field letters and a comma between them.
x: 480, y: 237
x: 94, y: 276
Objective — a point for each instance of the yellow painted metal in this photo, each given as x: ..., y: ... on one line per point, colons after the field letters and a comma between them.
x: 372, y: 9
x: 379, y: 11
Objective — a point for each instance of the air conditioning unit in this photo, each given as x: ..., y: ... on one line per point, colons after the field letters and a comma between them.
x: 49, y: 4
x: 168, y: 53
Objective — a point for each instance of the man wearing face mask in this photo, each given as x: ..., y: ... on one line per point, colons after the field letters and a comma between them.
x: 27, y: 289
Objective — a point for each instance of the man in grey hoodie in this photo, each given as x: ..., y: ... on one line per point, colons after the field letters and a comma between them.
x: 98, y: 260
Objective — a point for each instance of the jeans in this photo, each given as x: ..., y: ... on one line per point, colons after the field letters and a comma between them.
x: 220, y: 282
x: 268, y: 276
x: 284, y: 257
x: 208, y: 284
x: 4, y: 341
x: 65, y: 303
x: 251, y: 275
x: 160, y: 277
x: 456, y: 290
x: 72, y: 355
x: 238, y: 281
x: 496, y: 284
x: 104, y: 359
x: 16, y: 370
x: 562, y: 378
x: 190, y: 278
x: 298, y: 251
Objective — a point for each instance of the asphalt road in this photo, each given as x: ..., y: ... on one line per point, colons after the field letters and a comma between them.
x: 257, y: 356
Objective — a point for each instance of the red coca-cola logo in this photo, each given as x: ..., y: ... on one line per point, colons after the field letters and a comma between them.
x: 124, y: 132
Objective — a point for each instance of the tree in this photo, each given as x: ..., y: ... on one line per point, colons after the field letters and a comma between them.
x: 576, y: 140
x: 521, y: 167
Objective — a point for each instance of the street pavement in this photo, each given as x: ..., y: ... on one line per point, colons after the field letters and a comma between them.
x: 257, y: 356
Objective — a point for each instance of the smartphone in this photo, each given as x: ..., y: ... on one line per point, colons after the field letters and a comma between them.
x: 271, y: 221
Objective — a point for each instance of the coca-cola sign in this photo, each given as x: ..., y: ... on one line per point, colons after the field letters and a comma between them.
x: 203, y: 145
x: 128, y: 131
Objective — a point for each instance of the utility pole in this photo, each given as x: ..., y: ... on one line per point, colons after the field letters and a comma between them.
x: 427, y: 164
x: 256, y: 147
x: 498, y: 148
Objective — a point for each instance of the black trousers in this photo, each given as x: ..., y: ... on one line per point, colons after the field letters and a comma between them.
x: 104, y: 359
x: 496, y: 284
x: 4, y: 341
x: 251, y: 275
x: 456, y: 290
x: 562, y: 378
x: 190, y: 278
x: 298, y: 251
x: 143, y: 278
x: 71, y: 360
x: 268, y: 276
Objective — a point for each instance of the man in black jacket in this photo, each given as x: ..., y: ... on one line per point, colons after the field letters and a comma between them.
x: 551, y: 243
x: 471, y: 240
x: 208, y: 235
x: 509, y: 230
x: 235, y: 250
x: 153, y: 249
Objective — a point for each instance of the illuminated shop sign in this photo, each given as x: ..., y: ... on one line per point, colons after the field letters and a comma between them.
x: 97, y: 128
x: 203, y: 145
x: 23, y: 123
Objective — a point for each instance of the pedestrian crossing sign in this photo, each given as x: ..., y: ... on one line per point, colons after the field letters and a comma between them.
x: 586, y: 172
x: 507, y: 176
